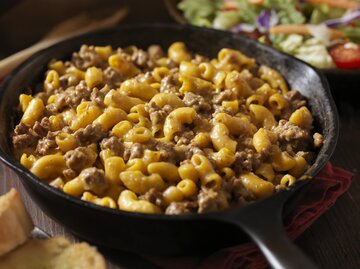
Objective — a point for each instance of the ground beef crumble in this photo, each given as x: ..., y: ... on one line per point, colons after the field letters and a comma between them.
x: 198, y: 102
x: 46, y: 145
x: 79, y: 158
x: 23, y: 138
x: 83, y: 162
x: 93, y: 179
x: 112, y: 77
x: 247, y: 160
x: 86, y: 57
x: 90, y: 134
x: 292, y: 138
x: 74, y: 95
x: 133, y: 151
x: 170, y: 84
x: 185, y: 207
x: 212, y: 200
x: 154, y: 196
x: 238, y: 191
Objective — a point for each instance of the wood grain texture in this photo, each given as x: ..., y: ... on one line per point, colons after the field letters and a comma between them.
x: 333, y: 241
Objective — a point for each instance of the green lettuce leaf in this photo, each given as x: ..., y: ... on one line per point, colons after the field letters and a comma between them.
x: 247, y: 11
x: 352, y: 33
x: 276, y: 40
x: 200, y: 12
x: 286, y: 10
x: 225, y: 20
x: 323, y: 12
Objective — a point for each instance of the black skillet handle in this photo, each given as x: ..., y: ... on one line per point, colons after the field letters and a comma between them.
x: 263, y: 223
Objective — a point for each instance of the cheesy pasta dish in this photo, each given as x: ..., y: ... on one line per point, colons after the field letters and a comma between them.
x: 165, y: 132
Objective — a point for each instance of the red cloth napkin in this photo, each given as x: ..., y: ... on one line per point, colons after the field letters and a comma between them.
x: 327, y: 187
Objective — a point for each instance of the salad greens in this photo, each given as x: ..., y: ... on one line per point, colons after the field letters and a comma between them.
x: 200, y: 12
x: 226, y: 20
x: 315, y: 53
x: 301, y: 37
x: 352, y: 33
x: 286, y: 11
x: 248, y: 12
x: 323, y: 12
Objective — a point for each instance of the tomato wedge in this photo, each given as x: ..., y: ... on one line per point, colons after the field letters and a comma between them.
x: 346, y: 56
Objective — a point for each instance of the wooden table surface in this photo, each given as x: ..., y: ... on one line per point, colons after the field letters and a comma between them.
x: 332, y: 242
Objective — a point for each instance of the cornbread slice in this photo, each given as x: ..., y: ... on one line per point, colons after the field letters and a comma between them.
x: 54, y: 253
x: 15, y: 222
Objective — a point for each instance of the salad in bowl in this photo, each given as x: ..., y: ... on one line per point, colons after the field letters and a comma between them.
x: 323, y: 33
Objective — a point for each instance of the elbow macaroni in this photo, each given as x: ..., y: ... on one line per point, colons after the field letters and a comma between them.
x: 206, y: 171
x: 33, y: 111
x: 220, y: 138
x: 128, y: 201
x: 176, y: 132
x: 140, y: 183
x: 176, y: 119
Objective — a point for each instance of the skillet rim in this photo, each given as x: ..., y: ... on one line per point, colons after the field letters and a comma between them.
x: 320, y: 161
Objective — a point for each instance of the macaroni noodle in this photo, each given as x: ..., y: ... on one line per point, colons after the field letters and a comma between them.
x: 156, y: 132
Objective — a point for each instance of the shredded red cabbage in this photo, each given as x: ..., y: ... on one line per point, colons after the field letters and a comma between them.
x: 266, y: 19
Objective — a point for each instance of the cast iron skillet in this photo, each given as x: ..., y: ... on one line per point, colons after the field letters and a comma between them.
x: 175, y: 235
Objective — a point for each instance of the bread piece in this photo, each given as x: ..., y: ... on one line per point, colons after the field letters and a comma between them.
x: 15, y: 222
x: 54, y: 253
